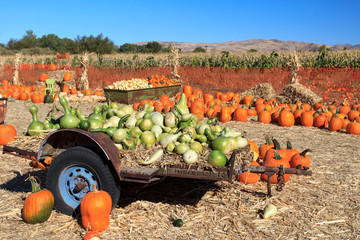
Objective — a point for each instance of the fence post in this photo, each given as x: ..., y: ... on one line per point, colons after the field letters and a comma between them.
x: 174, y: 63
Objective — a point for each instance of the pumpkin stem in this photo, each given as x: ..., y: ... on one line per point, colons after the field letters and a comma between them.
x: 95, y: 189
x: 289, y: 145
x: 34, y: 185
x: 277, y: 155
x: 276, y: 144
x: 268, y: 139
x: 303, y: 153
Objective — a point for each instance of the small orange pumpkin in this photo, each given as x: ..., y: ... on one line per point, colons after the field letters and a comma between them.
x: 43, y: 77
x: 248, y: 177
x: 67, y: 76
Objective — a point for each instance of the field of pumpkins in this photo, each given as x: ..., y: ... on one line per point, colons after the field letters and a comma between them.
x: 193, y: 128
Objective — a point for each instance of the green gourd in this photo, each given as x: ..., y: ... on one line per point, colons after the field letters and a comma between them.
x: 68, y: 120
x: 35, y: 126
x: 96, y: 114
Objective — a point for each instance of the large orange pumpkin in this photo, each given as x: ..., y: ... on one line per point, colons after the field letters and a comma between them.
x: 7, y: 134
x: 38, y: 205
x: 95, y: 209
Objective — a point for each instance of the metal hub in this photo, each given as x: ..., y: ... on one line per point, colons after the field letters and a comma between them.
x: 74, y: 182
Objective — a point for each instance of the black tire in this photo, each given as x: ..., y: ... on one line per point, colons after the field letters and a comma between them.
x: 78, y: 164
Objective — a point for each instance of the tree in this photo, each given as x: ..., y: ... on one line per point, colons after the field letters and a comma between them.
x: 128, y: 48
x: 252, y: 50
x: 152, y: 47
x: 53, y: 42
x: 199, y: 50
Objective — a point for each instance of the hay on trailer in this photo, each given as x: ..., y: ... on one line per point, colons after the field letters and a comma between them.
x: 298, y: 92
x: 283, y: 99
x: 262, y: 90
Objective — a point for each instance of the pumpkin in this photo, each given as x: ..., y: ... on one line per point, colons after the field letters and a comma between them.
x: 225, y: 114
x: 36, y: 98
x: 286, y: 118
x: 98, y: 93
x: 353, y: 128
x: 307, y: 119
x: 93, y: 235
x: 66, y: 89
x: 353, y: 114
x: 7, y: 133
x: 53, y: 67
x: 73, y: 91
x: 264, y: 116
x: 95, y: 208
x: 266, y: 146
x: 67, y: 76
x: 276, y: 161
x: 271, y: 152
x: 251, y: 112
x: 300, y: 159
x: 345, y: 121
x: 254, y: 149
x: 38, y: 205
x: 290, y: 151
x: 335, y: 124
x: 320, y: 121
x: 164, y: 99
x: 247, y: 100
x: 248, y: 177
x: 240, y: 114
x: 43, y: 77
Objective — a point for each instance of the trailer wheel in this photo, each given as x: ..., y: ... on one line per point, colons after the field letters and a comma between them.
x: 73, y: 173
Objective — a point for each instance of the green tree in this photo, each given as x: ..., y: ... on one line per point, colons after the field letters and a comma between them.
x: 53, y: 42
x: 199, y: 50
x: 152, y: 47
x: 29, y: 40
x: 128, y: 48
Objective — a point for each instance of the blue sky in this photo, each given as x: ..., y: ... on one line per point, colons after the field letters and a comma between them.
x: 323, y: 22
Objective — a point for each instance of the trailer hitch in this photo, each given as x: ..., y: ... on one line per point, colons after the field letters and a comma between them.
x: 279, y: 171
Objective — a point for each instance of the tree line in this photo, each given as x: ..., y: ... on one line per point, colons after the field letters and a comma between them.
x: 50, y: 43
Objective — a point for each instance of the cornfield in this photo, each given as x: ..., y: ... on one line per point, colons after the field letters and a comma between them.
x: 324, y: 59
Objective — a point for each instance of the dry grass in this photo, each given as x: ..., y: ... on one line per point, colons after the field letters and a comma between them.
x: 322, y: 206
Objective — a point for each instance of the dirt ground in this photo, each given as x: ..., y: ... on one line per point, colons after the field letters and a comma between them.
x: 325, y: 205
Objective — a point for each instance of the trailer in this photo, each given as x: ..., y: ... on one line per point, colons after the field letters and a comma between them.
x: 83, y: 159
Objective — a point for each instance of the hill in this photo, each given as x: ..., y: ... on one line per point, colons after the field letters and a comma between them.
x: 261, y: 45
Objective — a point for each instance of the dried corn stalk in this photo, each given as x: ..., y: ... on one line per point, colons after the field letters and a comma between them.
x: 294, y: 64
x: 16, y: 69
x: 175, y: 62
x: 84, y: 81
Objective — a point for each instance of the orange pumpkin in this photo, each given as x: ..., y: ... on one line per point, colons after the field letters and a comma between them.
x: 286, y: 118
x: 248, y: 177
x: 38, y: 205
x: 95, y: 208
x: 98, y: 93
x: 53, y: 67
x: 73, y: 91
x: 300, y: 159
x: 240, y: 114
x: 353, y: 128
x: 43, y: 77
x: 276, y: 161
x: 225, y: 114
x: 7, y: 134
x: 187, y: 90
x: 67, y: 76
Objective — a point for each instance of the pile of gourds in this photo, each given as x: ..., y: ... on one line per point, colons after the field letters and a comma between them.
x: 176, y: 131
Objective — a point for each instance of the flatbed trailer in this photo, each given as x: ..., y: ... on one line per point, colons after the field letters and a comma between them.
x: 83, y: 159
